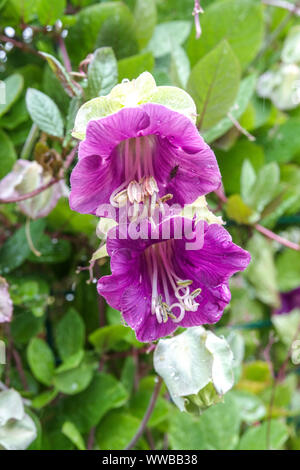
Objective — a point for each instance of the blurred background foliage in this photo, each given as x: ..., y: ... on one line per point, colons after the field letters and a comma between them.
x: 88, y: 379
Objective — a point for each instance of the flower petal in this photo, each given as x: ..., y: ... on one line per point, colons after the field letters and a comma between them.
x: 92, y: 182
x: 105, y: 134
x: 136, y: 311
x: 216, y: 261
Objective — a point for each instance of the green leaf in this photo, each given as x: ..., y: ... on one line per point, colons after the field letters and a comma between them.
x: 44, y: 112
x: 237, y: 210
x: 75, y: 380
x: 238, y: 21
x: 128, y: 373
x: 70, y: 430
x: 15, y: 116
x: 111, y: 337
x: 71, y: 362
x: 261, y: 271
x: 16, y: 249
x: 284, y: 143
x: 87, y: 408
x: 41, y: 360
x: 132, y: 67
x: 61, y: 73
x: 248, y: 178
x: 288, y: 269
x: 245, y: 92
x: 256, y: 438
x: 52, y: 250
x: 287, y: 326
x: 180, y: 67
x: 102, y: 73
x: 70, y: 334
x: 49, y: 12
x: 105, y: 24
x: 216, y: 429
x: 24, y: 326
x: 256, y: 377
x: 145, y: 20
x: 71, y: 221
x: 167, y: 36
x: 116, y: 430
x: 10, y: 90
x: 265, y: 187
x: 42, y: 400
x: 231, y: 163
x: 214, y: 83
x: 251, y: 407
x: 8, y: 154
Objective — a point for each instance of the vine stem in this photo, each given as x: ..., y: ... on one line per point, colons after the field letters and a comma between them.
x: 19, y: 45
x: 65, y: 55
x: 29, y: 239
x: 283, y: 4
x: 196, y: 12
x: 266, y: 232
x: 273, y: 236
x: 37, y: 191
x: 31, y: 138
x: 147, y: 415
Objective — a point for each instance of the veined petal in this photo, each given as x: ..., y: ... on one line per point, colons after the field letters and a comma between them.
x: 92, y: 182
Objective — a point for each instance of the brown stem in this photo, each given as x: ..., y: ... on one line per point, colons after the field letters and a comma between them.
x: 19, y: 45
x: 91, y: 439
x: 147, y: 415
x: 273, y: 236
x: 265, y: 231
x: 37, y: 191
x: 19, y: 366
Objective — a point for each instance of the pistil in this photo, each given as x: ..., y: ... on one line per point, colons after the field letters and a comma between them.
x: 139, y: 190
x: 163, y: 277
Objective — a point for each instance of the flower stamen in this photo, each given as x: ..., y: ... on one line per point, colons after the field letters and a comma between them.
x: 163, y: 277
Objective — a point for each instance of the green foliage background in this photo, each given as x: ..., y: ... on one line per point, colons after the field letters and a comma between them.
x: 89, y: 379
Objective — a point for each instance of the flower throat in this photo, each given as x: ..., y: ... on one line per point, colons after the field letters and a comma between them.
x: 165, y: 284
x: 139, y: 188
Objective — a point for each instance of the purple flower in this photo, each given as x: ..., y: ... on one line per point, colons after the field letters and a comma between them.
x: 289, y: 301
x: 158, y: 284
x: 142, y: 156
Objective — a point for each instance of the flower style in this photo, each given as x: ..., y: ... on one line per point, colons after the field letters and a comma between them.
x: 25, y: 177
x: 142, y: 154
x: 159, y: 284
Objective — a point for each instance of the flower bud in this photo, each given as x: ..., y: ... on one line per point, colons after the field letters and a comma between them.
x: 197, y: 367
x: 27, y: 176
x: 6, y: 306
x: 17, y: 429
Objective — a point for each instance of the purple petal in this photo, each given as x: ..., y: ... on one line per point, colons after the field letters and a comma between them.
x: 136, y: 311
x: 217, y: 260
x: 105, y: 134
x: 212, y: 303
x: 92, y: 182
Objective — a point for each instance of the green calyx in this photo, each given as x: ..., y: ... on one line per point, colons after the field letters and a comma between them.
x: 130, y: 94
